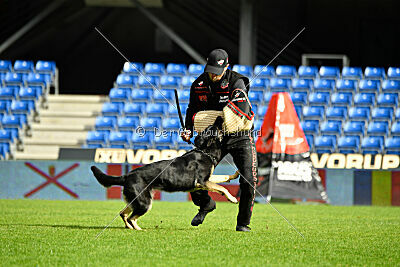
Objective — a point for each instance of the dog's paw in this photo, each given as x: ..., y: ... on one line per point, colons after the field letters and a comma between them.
x: 233, y: 200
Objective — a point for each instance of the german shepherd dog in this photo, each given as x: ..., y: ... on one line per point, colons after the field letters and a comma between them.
x: 189, y: 172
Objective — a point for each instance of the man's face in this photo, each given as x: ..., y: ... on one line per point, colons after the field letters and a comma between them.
x: 214, y: 77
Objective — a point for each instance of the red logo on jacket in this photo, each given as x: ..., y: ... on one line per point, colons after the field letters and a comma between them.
x: 203, y: 97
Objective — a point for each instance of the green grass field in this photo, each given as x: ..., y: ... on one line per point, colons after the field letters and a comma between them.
x: 49, y: 233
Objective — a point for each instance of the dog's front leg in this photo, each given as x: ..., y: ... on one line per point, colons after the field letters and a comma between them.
x: 223, y: 178
x: 210, y: 186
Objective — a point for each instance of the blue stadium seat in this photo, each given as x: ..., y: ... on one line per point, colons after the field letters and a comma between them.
x: 36, y: 79
x: 310, y: 126
x: 105, y: 123
x: 176, y: 69
x: 45, y: 67
x: 301, y: 84
x: 7, y: 136
x: 346, y: 85
x: 255, y: 97
x: 299, y: 111
x: 380, y: 128
x: 354, y: 128
x: 156, y: 69
x: 299, y: 98
x: 348, y: 144
x: 119, y: 139
x: 164, y: 141
x: 284, y: 71
x: 29, y: 93
x: 112, y: 109
x: 390, y: 86
x: 382, y: 113
x: 22, y: 107
x: 150, y: 122
x: 8, y: 92
x: 279, y: 85
x: 368, y: 86
x: 393, y: 73
x: 3, y: 152
x: 342, y: 99
x: 397, y: 114
x: 97, y: 138
x: 243, y: 69
x: 323, y: 85
x: 5, y: 66
x: 195, y: 69
x: 395, y: 129
x: 126, y: 80
x: 12, y: 78
x: 372, y: 144
x: 310, y: 140
x: 387, y: 99
x: 261, y: 110
x: 324, y: 144
x: 148, y: 81
x: 133, y: 68
x: 259, y: 83
x: 336, y: 113
x: 267, y: 97
x: 359, y: 113
x: 313, y: 112
x: 167, y: 81
x: 326, y: 72
x: 392, y: 144
x: 156, y: 109
x: 142, y: 95
x: 23, y: 66
x: 135, y: 108
x: 184, y: 95
x: 307, y: 72
x: 172, y: 111
x: 374, y: 73
x: 127, y: 123
x: 258, y: 124
x: 331, y: 127
x: 319, y: 98
x: 145, y: 140
x: 171, y: 123
x: 12, y: 121
x: 351, y: 73
x: 364, y: 99
x: 164, y: 95
x: 254, y: 108
x: 264, y: 71
x: 120, y: 94
x: 4, y: 106
x: 187, y: 81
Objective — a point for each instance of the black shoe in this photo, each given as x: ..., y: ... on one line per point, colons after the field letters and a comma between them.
x: 243, y: 228
x: 199, y: 218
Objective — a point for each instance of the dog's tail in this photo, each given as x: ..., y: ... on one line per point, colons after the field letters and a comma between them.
x: 107, y: 180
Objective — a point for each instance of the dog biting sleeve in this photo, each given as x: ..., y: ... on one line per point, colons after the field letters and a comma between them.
x: 238, y: 115
x: 205, y: 118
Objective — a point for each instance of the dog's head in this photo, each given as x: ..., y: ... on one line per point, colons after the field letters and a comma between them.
x: 211, y: 137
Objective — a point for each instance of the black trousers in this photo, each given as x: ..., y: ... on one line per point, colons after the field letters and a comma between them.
x: 243, y: 152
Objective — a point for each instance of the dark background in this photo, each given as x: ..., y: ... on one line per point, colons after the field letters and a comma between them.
x: 364, y: 30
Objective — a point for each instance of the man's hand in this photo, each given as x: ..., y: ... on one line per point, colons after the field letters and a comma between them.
x: 186, y: 134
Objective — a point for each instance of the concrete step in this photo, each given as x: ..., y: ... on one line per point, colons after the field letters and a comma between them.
x: 38, y: 152
x: 68, y: 121
x: 54, y: 142
x: 75, y: 106
x: 61, y: 127
x: 59, y: 135
x: 69, y: 113
x: 77, y: 98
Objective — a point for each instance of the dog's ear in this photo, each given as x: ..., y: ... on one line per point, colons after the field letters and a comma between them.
x: 218, y: 122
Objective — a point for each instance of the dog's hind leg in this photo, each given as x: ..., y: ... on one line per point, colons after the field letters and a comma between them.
x: 140, y: 205
x: 210, y: 186
x: 223, y: 178
x: 124, y: 213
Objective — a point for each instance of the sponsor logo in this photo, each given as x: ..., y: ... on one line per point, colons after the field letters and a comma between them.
x: 201, y: 83
x: 293, y: 171
x: 220, y: 62
x: 224, y: 84
x: 202, y: 97
x: 223, y: 99
x: 140, y: 156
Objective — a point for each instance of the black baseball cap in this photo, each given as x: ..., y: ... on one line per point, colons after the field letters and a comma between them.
x: 216, y: 61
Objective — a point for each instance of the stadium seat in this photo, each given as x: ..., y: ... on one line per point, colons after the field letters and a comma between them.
x: 148, y: 81
x: 336, y: 113
x: 7, y: 136
x: 326, y: 72
x: 310, y: 140
x: 351, y: 73
x: 323, y: 85
x: 313, y: 112
x: 359, y: 113
x: 243, y: 69
x: 301, y: 84
x: 164, y: 141
x: 172, y: 111
x: 187, y: 81
x: 342, y: 99
x: 112, y: 109
x: 155, y: 69
x: 255, y: 97
x: 23, y: 66
x: 264, y: 71
x: 299, y: 98
x: 126, y: 81
x: 331, y: 127
x: 395, y: 129
x: 387, y: 99
x: 390, y: 86
x: 156, y: 109
x: 372, y: 144
x: 150, y: 122
x: 36, y: 79
x: 12, y: 78
x: 354, y: 128
x: 3, y: 153
x: 310, y: 126
x: 346, y: 85
x: 29, y: 93
x: 382, y: 113
x: 284, y: 71
x: 267, y: 97
x: 318, y: 98
x: 4, y: 106
x: 392, y: 144
x: 195, y: 70
x: 258, y: 124
x: 184, y: 95
x: 171, y: 123
x: 307, y: 72
x: 8, y: 92
x: 164, y: 95
x: 393, y: 73
x: 374, y: 73
x: 12, y: 121
x: 176, y: 69
x: 127, y: 123
x: 135, y: 108
x: 259, y: 83
x: 364, y: 99
x: 365, y: 86
x: 348, y: 144
x: 133, y: 68
x: 167, y: 81
x: 22, y: 107
x: 45, y: 67
x: 5, y: 66
x: 397, y: 114
x: 119, y: 139
x: 324, y: 144
x: 145, y: 140
x: 378, y: 128
x: 279, y: 85
x: 105, y: 123
x: 120, y: 94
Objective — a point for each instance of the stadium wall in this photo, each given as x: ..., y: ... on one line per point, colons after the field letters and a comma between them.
x: 67, y: 180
